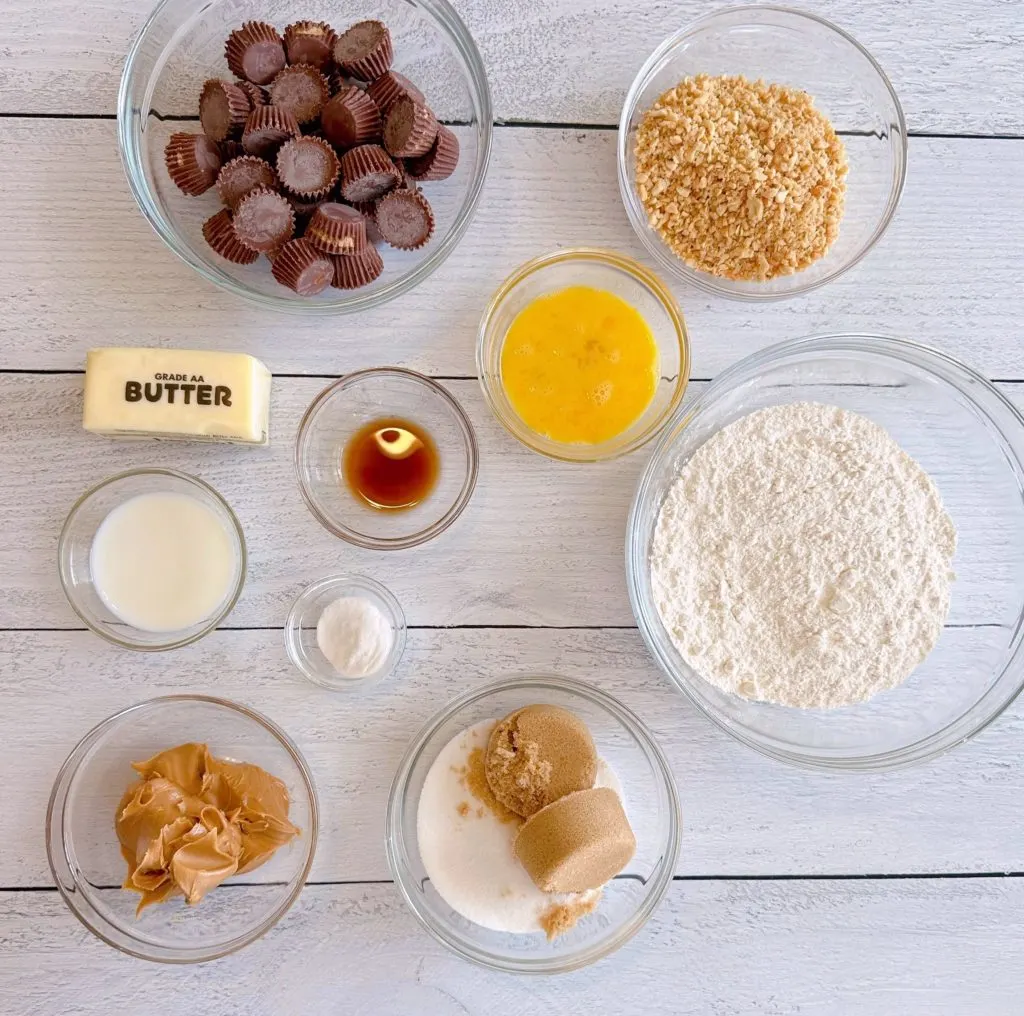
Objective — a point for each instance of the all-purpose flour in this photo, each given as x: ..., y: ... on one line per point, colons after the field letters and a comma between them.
x: 802, y: 557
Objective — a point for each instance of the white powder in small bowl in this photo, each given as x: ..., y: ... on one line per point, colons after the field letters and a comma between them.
x: 355, y: 635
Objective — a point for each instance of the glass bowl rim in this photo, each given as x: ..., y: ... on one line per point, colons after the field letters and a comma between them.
x: 634, y: 209
x: 660, y: 881
x: 215, y: 619
x: 469, y: 443
x: 607, y: 450
x: 348, y: 580
x: 903, y: 351
x: 130, y: 147
x: 59, y: 797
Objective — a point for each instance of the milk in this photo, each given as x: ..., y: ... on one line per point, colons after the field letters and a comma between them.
x: 163, y: 562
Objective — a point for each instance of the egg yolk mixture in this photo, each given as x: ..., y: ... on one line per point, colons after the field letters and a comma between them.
x: 579, y: 366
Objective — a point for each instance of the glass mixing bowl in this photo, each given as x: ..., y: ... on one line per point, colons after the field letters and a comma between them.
x: 648, y: 795
x: 86, y: 860
x: 601, y: 269
x: 182, y: 44
x: 970, y: 440
x: 802, y: 51
x: 339, y: 411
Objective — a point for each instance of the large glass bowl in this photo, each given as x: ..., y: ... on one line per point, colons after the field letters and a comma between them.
x: 802, y: 51
x: 649, y: 798
x: 970, y: 439
x: 83, y: 850
x: 182, y: 44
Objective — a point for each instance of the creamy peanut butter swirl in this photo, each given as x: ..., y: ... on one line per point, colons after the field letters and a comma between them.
x: 193, y: 820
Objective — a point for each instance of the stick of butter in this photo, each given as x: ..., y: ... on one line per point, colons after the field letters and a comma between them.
x: 183, y: 394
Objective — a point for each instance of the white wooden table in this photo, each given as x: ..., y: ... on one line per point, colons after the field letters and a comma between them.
x: 795, y: 892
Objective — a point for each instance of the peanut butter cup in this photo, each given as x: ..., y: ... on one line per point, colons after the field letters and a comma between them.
x: 354, y: 270
x: 301, y: 90
x: 307, y: 167
x: 366, y: 173
x: 337, y: 229
x: 364, y: 50
x: 351, y: 118
x: 219, y: 233
x: 440, y: 162
x: 257, y: 96
x: 242, y: 175
x: 223, y: 109
x: 263, y: 220
x: 310, y: 42
x: 302, y: 268
x: 255, y: 52
x: 410, y: 128
x: 405, y: 219
x: 193, y: 162
x: 267, y: 128
x: 390, y: 87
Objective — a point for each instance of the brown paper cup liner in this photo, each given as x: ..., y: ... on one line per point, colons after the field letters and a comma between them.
x: 267, y: 128
x: 264, y: 220
x: 302, y: 268
x: 440, y: 162
x: 193, y: 162
x: 302, y: 90
x: 257, y: 95
x: 310, y: 42
x: 405, y: 219
x: 410, y: 128
x: 220, y: 235
x: 365, y: 50
x: 230, y: 150
x: 223, y: 109
x: 308, y: 167
x: 255, y: 52
x: 337, y: 229
x: 242, y: 175
x: 357, y: 270
x: 351, y: 118
x: 366, y: 173
x: 390, y: 87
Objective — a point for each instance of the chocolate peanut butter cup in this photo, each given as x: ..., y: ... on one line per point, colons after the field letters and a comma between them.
x: 193, y: 162
x: 389, y: 87
x: 302, y: 268
x: 255, y: 52
x: 364, y: 50
x: 223, y: 109
x: 351, y: 118
x: 301, y: 90
x: 366, y: 173
x: 307, y: 167
x: 219, y: 233
x: 354, y: 270
x: 257, y: 96
x: 440, y: 162
x: 267, y: 128
x: 242, y: 175
x: 337, y: 229
x: 264, y: 220
x: 405, y: 219
x: 410, y: 128
x: 310, y: 42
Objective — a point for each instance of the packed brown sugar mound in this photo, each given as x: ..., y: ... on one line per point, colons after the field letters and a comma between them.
x: 742, y: 179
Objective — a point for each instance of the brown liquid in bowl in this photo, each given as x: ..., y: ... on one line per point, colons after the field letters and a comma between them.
x: 390, y: 464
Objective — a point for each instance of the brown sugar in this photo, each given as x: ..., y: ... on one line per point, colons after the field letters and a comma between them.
x: 562, y: 917
x: 577, y: 842
x: 475, y: 781
x: 538, y: 754
x: 462, y: 808
x: 741, y: 179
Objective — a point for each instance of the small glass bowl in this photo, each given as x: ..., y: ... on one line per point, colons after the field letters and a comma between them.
x: 75, y: 545
x: 182, y: 44
x: 350, y: 403
x: 300, y: 630
x: 802, y: 51
x: 970, y: 439
x: 85, y: 857
x: 601, y: 269
x: 649, y: 797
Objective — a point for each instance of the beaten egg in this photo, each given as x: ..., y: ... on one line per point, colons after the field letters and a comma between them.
x: 580, y: 365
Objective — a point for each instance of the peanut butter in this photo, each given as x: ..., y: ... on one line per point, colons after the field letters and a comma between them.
x: 192, y: 820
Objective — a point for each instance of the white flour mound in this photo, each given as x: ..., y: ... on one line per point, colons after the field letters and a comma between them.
x: 802, y: 557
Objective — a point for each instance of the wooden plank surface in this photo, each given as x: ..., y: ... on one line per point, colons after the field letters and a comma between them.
x: 107, y: 279
x: 956, y: 69
x: 742, y: 814
x: 817, y: 948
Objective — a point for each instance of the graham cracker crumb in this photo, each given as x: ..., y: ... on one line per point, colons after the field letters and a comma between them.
x: 743, y: 180
x: 561, y: 917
